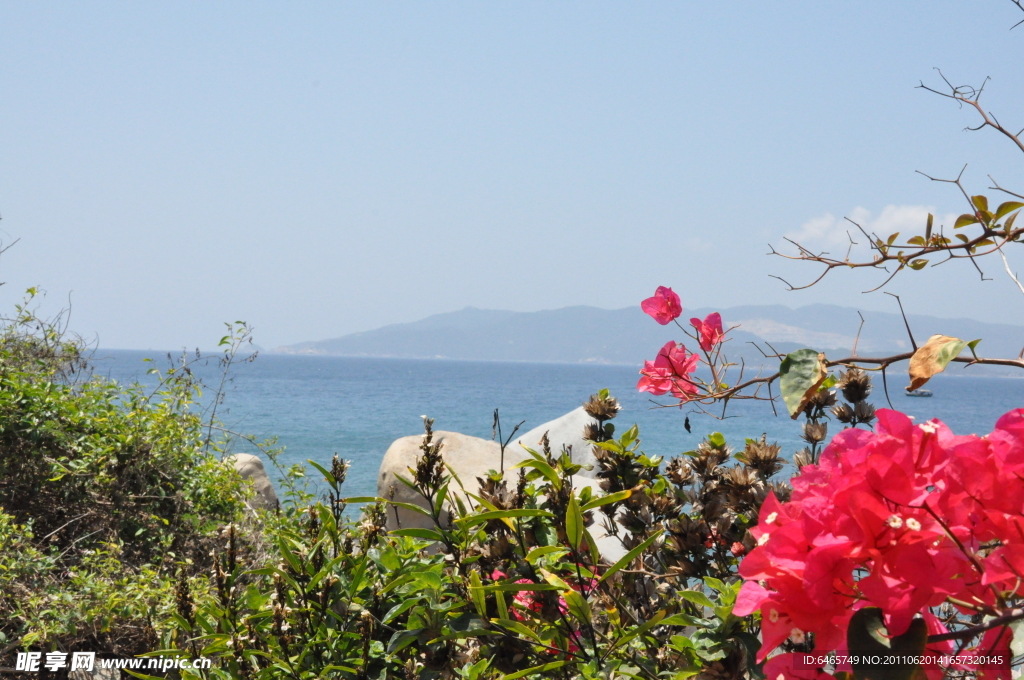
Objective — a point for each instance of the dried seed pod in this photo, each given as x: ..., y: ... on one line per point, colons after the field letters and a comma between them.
x: 843, y: 413
x: 802, y: 458
x: 864, y: 412
x: 761, y: 456
x: 679, y: 472
x: 602, y: 406
x: 855, y: 384
x: 814, y: 433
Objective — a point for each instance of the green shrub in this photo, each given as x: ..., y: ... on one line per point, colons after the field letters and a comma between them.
x: 106, y: 492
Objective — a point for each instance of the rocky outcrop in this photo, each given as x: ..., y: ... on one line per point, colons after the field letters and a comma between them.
x: 251, y: 469
x: 471, y: 458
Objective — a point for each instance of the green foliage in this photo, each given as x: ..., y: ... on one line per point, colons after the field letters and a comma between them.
x: 801, y: 374
x: 106, y: 492
x: 506, y: 582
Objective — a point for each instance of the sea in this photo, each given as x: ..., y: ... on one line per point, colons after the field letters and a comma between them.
x: 354, y: 407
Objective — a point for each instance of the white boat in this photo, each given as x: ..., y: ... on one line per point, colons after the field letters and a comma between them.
x: 919, y: 393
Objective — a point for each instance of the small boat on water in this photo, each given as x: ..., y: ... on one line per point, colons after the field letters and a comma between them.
x: 919, y: 393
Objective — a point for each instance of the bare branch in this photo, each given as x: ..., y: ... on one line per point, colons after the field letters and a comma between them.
x: 853, y: 350
x: 905, y: 322
x: 996, y: 187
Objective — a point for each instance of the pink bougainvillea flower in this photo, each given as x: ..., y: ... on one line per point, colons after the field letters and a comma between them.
x: 670, y: 372
x: 709, y: 331
x: 894, y: 519
x: 664, y: 306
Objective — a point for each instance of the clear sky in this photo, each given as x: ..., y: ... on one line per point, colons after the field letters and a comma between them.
x: 323, y: 168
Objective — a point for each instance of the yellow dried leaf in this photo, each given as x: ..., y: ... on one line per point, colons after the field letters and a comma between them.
x: 933, y: 357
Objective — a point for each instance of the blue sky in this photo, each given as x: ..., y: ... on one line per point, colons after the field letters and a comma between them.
x: 323, y: 168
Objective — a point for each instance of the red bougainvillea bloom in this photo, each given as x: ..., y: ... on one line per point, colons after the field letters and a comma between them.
x: 904, y: 519
x: 709, y: 331
x: 664, y: 306
x: 669, y: 372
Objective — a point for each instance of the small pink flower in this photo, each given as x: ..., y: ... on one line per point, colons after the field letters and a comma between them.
x: 664, y: 306
x: 709, y: 330
x: 670, y: 372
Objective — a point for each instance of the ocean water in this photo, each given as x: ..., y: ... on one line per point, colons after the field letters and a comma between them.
x: 355, y: 407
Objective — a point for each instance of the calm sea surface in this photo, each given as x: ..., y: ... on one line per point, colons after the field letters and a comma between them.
x: 355, y: 407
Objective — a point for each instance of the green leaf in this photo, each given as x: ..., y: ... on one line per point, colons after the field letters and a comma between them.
x: 1008, y: 225
x: 980, y: 202
x: 543, y: 550
x: 442, y: 494
x: 965, y: 220
x: 1006, y: 208
x: 519, y: 628
x: 428, y: 579
x: 609, y: 498
x: 716, y: 439
x: 866, y: 636
x: 629, y: 436
x: 951, y: 350
x: 918, y: 264
x: 476, y: 593
x: 639, y: 630
x: 800, y: 375
x: 428, y: 534
x: 696, y: 597
x: 574, y: 522
x: 536, y: 669
x: 578, y: 605
x: 628, y: 558
x: 502, y: 514
x: 403, y: 639
x: 328, y: 477
x: 543, y: 468
x: 519, y: 587
x: 399, y: 609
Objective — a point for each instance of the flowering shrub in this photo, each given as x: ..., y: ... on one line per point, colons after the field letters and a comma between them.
x: 910, y: 519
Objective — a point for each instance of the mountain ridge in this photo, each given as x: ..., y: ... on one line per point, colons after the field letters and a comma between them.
x: 584, y: 334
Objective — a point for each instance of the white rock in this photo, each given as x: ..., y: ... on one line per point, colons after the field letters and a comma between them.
x: 471, y: 458
x: 251, y: 469
x: 565, y: 431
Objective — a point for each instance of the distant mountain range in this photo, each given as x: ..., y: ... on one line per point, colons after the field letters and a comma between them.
x: 628, y: 336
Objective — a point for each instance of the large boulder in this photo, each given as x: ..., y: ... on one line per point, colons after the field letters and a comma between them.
x: 251, y: 469
x: 471, y: 458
